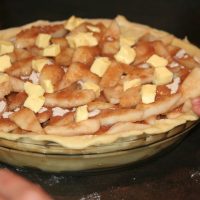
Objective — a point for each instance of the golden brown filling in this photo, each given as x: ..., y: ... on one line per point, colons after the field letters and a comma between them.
x: 80, y: 78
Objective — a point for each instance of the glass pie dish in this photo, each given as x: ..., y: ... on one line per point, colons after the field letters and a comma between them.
x: 90, y: 94
x: 48, y: 156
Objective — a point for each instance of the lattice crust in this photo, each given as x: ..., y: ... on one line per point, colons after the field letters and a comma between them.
x: 94, y: 80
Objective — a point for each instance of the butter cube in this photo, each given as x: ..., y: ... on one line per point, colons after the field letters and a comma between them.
x: 157, y: 61
x: 34, y: 103
x: 126, y: 54
x: 38, y: 64
x: 100, y: 65
x: 91, y: 86
x: 6, y: 47
x: 4, y: 78
x: 127, y: 41
x: 82, y: 39
x: 48, y: 86
x: 52, y: 50
x: 73, y: 22
x: 93, y: 28
x: 81, y: 113
x: 148, y: 93
x: 5, y: 63
x: 33, y: 90
x: 43, y: 40
x: 132, y: 83
x: 162, y: 76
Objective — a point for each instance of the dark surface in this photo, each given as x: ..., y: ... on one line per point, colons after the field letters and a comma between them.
x: 175, y: 174
x: 172, y: 175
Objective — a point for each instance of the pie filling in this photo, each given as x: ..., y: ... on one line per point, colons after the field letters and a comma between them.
x: 84, y: 78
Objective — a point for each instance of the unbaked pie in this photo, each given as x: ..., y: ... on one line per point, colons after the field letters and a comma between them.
x: 84, y: 82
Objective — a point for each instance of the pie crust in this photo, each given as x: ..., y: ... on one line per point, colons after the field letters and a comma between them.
x: 127, y: 130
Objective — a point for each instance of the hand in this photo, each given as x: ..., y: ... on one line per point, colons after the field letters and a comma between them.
x: 14, y: 187
x: 196, y: 105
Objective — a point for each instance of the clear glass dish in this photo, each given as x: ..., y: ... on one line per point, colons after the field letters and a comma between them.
x: 52, y: 157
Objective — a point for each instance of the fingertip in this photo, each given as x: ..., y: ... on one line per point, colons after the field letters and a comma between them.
x: 196, y: 109
x: 196, y: 101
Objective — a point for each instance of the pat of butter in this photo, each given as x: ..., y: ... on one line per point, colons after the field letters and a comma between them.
x: 52, y: 50
x: 157, y: 61
x: 81, y: 113
x: 43, y: 40
x: 73, y: 22
x: 148, y: 93
x: 129, y: 41
x: 100, y: 65
x: 126, y: 54
x: 38, y: 64
x: 47, y: 85
x: 4, y: 78
x: 91, y: 86
x: 5, y: 63
x: 34, y: 103
x: 132, y: 83
x: 33, y: 90
x: 6, y: 47
x: 82, y: 39
x: 162, y: 76
x: 93, y: 29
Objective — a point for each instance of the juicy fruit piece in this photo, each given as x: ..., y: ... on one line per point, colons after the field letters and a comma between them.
x: 162, y: 76
x: 51, y: 72
x: 69, y: 99
x: 100, y: 65
x: 5, y: 63
x: 51, y: 51
x: 148, y: 93
x: 20, y: 68
x: 131, y: 97
x: 33, y: 89
x: 112, y: 76
x: 157, y: 61
x: 91, y: 86
x: 85, y: 55
x: 26, y: 120
x: 6, y: 47
x: 65, y: 56
x: 16, y: 100
x: 81, y: 113
x: 125, y: 55
x: 77, y: 72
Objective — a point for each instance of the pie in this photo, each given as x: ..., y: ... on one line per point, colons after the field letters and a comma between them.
x: 89, y: 82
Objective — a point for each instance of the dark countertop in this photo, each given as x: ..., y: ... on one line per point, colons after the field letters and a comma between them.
x: 175, y: 174
x: 172, y: 175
